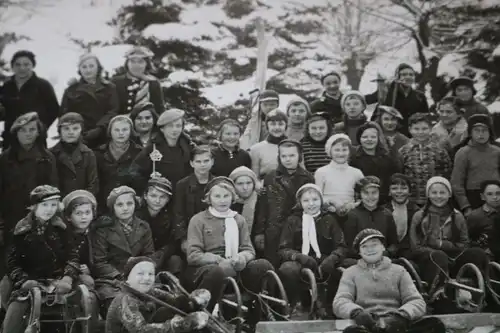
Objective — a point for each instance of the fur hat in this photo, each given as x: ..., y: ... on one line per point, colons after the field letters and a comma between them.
x: 332, y: 140
x: 365, y: 235
x: 169, y: 116
x: 243, y: 171
x: 116, y: 192
x: 44, y: 193
x: 307, y: 187
x: 132, y: 262
x: 437, y: 180
x: 70, y: 118
x: 120, y: 117
x: 162, y: 184
x: 23, y: 120
x: 350, y: 94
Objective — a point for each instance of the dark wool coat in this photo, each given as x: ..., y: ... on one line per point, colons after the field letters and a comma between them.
x: 275, y: 204
x: 48, y: 256
x: 96, y: 103
x: 330, y: 105
x: 174, y: 164
x: 225, y: 161
x: 113, y: 173
x: 480, y: 224
x: 83, y: 247
x: 20, y: 173
x: 189, y: 195
x: 36, y: 94
x: 350, y: 128
x: 76, y: 171
x: 472, y: 107
x: 329, y: 234
x: 126, y: 98
x: 404, y: 247
x: 381, y: 219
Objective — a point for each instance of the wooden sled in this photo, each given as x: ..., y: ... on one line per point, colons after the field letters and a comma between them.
x: 456, y: 323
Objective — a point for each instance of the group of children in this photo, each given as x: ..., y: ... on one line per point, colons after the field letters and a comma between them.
x: 326, y: 190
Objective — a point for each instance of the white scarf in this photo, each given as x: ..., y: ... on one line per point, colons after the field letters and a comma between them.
x: 231, y: 233
x: 309, y: 237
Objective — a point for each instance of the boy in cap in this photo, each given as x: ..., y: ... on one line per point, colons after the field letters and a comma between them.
x: 463, y: 89
x: 375, y: 293
x: 451, y: 126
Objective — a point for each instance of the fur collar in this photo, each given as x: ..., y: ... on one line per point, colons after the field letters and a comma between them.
x: 27, y: 223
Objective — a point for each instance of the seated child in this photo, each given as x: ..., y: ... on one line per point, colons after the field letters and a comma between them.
x: 370, y: 215
x: 439, y: 238
x: 42, y: 253
x: 245, y: 184
x: 115, y: 239
x: 376, y: 292
x: 131, y: 312
x: 311, y: 238
x: 219, y: 244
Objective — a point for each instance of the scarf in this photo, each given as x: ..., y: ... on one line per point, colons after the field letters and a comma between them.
x: 437, y: 216
x: 140, y: 86
x: 127, y: 227
x: 400, y: 215
x: 118, y: 151
x: 248, y: 211
x: 309, y: 236
x: 231, y: 233
x: 275, y: 140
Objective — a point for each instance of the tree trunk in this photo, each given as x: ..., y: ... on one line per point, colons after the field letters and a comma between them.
x: 353, y: 73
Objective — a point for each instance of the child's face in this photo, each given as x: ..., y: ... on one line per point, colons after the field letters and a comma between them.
x: 369, y: 139
x: 45, y: 210
x: 82, y: 216
x: 267, y: 106
x: 388, y: 122
x: 448, y: 114
x: 172, y: 131
x: 120, y: 132
x: 136, y: 66
x: 407, y: 76
x: 480, y: 134
x: 331, y: 84
x: 276, y: 128
x: 372, y: 250
x: 27, y: 134
x: 88, y: 69
x: 142, y: 276
x: 297, y: 113
x: 220, y: 199
x: 202, y: 163
x: 420, y: 131
x: 318, y: 130
x: 124, y: 206
x: 71, y: 133
x: 464, y: 93
x: 155, y: 199
x: 310, y: 201
x: 491, y: 196
x: 353, y: 107
x: 244, y: 186
x: 289, y: 157
x: 144, y: 122
x: 439, y: 195
x: 340, y: 152
x: 399, y: 193
x: 230, y: 136
x: 370, y: 196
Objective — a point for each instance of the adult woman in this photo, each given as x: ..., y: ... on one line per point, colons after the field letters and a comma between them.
x: 26, y: 92
x: 318, y: 130
x: 137, y: 85
x: 93, y: 97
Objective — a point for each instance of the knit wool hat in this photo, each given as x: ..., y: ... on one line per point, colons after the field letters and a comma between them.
x: 23, y: 120
x: 132, y: 262
x: 116, y: 192
x: 139, y: 52
x: 169, y: 116
x: 298, y: 100
x: 269, y: 95
x: 366, y: 234
x: 350, y: 94
x: 162, y: 184
x: 276, y: 115
x: 437, y: 180
x: 306, y: 187
x: 120, y: 117
x: 401, y: 67
x: 86, y: 56
x: 70, y: 118
x: 216, y: 181
x: 23, y: 53
x: 333, y: 140
x: 243, y: 171
x: 44, y: 193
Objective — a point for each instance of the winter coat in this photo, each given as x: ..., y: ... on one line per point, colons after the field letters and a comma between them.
x: 395, y: 142
x: 49, y: 256
x: 420, y: 163
x: 380, y: 218
x: 330, y: 105
x: 382, y: 165
x: 83, y: 246
x: 113, y: 173
x: 328, y: 232
x: 275, y: 204
x: 350, y: 128
x: 404, y: 244
x: 36, y: 94
x: 126, y: 97
x: 471, y: 108
x: 76, y: 171
x: 20, y: 173
x: 377, y: 290
x: 480, y: 224
x: 449, y: 139
x: 174, y: 164
x: 226, y: 161
x: 96, y: 103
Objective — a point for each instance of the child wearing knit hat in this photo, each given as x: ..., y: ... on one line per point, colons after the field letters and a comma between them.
x: 353, y: 105
x: 440, y: 241
x: 298, y: 111
x: 245, y: 184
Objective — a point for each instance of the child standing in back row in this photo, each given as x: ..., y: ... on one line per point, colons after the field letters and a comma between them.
x: 353, y: 104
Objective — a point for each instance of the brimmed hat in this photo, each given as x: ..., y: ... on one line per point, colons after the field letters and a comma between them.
x: 23, y: 120
x: 437, y: 180
x: 162, y: 184
x: 462, y: 81
x: 350, y: 94
x: 139, y: 52
x: 366, y: 234
x: 389, y: 110
x: 269, y: 95
x: 44, y: 193
x: 216, y: 181
x: 132, y: 262
x: 169, y: 116
x: 70, y: 118
x: 116, y: 192
x: 332, y: 140
x: 120, y: 117
x: 243, y: 171
x: 306, y: 187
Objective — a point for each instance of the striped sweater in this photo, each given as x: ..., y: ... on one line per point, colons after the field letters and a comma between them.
x: 314, y: 154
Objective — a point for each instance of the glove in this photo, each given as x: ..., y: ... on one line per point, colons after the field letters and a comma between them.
x: 394, y: 323
x: 227, y: 267
x: 29, y: 284
x: 63, y: 286
x: 200, y: 297
x: 259, y: 242
x: 329, y: 263
x: 307, y: 261
x: 192, y: 322
x: 239, y: 263
x: 364, y: 318
x: 87, y: 280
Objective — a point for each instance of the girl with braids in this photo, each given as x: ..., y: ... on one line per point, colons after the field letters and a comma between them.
x: 440, y: 241
x: 137, y: 85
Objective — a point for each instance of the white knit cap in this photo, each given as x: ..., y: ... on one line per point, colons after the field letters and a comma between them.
x: 437, y: 180
x: 243, y: 171
x: 329, y: 143
x: 306, y: 187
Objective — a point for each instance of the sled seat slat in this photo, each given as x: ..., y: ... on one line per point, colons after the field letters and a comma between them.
x: 463, y: 322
